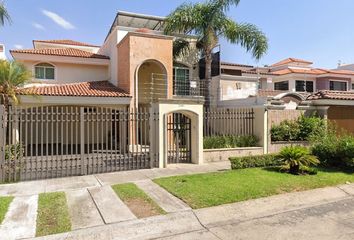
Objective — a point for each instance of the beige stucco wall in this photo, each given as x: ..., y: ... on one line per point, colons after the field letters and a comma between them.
x: 137, y: 48
x: 71, y: 73
x: 192, y: 110
x: 218, y: 155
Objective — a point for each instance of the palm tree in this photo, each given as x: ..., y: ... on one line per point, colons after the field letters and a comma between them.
x: 294, y: 157
x: 209, y: 22
x: 12, y: 76
x: 4, y: 15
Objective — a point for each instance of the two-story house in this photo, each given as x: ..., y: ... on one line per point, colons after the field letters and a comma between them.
x: 113, y: 91
x: 291, y: 80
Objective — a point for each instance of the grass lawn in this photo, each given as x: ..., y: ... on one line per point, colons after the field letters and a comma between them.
x: 4, y: 206
x: 211, y: 189
x: 137, y: 200
x: 53, y: 214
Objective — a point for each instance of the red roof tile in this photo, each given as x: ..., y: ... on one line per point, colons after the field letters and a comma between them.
x: 332, y: 95
x: 67, y: 42
x: 65, y: 52
x: 236, y: 64
x: 314, y: 71
x: 85, y: 89
x: 300, y: 71
x: 290, y: 60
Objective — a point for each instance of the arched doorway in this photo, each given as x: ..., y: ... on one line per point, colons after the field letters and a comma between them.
x: 179, y: 138
x: 151, y: 82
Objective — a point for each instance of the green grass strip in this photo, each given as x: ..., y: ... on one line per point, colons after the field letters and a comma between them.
x: 53, y: 214
x: 212, y: 189
x: 129, y: 191
x: 4, y: 206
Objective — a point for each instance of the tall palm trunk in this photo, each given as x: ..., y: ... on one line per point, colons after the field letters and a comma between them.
x: 208, y: 78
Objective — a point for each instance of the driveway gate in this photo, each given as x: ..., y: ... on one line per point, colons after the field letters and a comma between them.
x: 59, y: 141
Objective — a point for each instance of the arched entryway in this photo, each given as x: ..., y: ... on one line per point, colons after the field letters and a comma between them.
x: 151, y: 82
x: 179, y: 138
x: 179, y: 124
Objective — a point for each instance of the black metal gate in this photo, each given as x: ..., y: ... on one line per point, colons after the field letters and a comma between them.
x: 178, y: 138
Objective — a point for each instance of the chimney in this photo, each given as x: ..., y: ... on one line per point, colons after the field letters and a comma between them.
x: 2, y: 52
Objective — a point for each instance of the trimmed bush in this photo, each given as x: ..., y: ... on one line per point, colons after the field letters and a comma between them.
x: 266, y: 160
x: 334, y: 151
x: 215, y: 142
x: 301, y: 129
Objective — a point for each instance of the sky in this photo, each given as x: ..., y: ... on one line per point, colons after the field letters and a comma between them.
x: 317, y: 30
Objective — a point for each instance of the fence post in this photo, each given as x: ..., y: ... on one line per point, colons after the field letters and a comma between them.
x: 2, y: 142
x: 82, y: 141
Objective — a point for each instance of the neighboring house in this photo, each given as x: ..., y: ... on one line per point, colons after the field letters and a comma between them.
x: 2, y: 52
x: 290, y: 80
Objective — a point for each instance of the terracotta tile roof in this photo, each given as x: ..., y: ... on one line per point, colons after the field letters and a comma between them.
x: 314, y: 71
x: 258, y: 72
x: 66, y: 42
x: 235, y: 64
x: 291, y: 60
x: 269, y: 93
x: 339, y: 71
x: 300, y: 71
x: 85, y: 89
x: 65, y: 52
x: 332, y: 95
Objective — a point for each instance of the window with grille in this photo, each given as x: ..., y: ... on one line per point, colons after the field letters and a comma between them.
x: 44, y: 71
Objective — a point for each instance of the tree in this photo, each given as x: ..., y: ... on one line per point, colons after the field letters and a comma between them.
x: 209, y: 22
x: 4, y: 15
x: 12, y: 76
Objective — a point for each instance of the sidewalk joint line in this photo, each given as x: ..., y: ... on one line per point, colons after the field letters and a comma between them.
x: 94, y: 202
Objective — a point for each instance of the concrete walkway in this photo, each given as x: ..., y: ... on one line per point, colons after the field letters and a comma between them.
x: 20, y: 220
x: 326, y: 213
x: 164, y: 199
x: 91, y: 181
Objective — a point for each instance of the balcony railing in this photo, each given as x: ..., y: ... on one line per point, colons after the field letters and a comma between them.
x: 158, y: 88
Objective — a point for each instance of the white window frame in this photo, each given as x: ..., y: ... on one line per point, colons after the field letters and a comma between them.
x: 45, y: 79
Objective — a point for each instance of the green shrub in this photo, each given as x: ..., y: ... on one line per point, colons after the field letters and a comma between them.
x: 301, y: 129
x: 13, y: 165
x: 295, y: 157
x: 266, y: 160
x: 333, y: 148
x: 229, y: 141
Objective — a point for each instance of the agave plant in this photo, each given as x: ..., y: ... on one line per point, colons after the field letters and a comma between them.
x: 294, y: 157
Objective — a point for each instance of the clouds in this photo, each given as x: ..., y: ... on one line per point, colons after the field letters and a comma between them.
x: 18, y: 46
x: 38, y: 26
x: 58, y: 19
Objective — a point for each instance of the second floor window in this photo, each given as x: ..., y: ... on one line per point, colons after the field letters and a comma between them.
x: 44, y: 71
x: 181, y: 80
x: 283, y: 86
x: 338, y: 86
x: 304, y: 86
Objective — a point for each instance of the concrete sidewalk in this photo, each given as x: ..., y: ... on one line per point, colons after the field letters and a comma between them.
x: 91, y: 181
x: 326, y: 213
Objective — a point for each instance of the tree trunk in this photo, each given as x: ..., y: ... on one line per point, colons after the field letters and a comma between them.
x: 207, y: 83
x: 294, y: 169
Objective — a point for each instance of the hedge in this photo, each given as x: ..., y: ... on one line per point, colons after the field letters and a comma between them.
x: 229, y: 141
x: 266, y: 160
